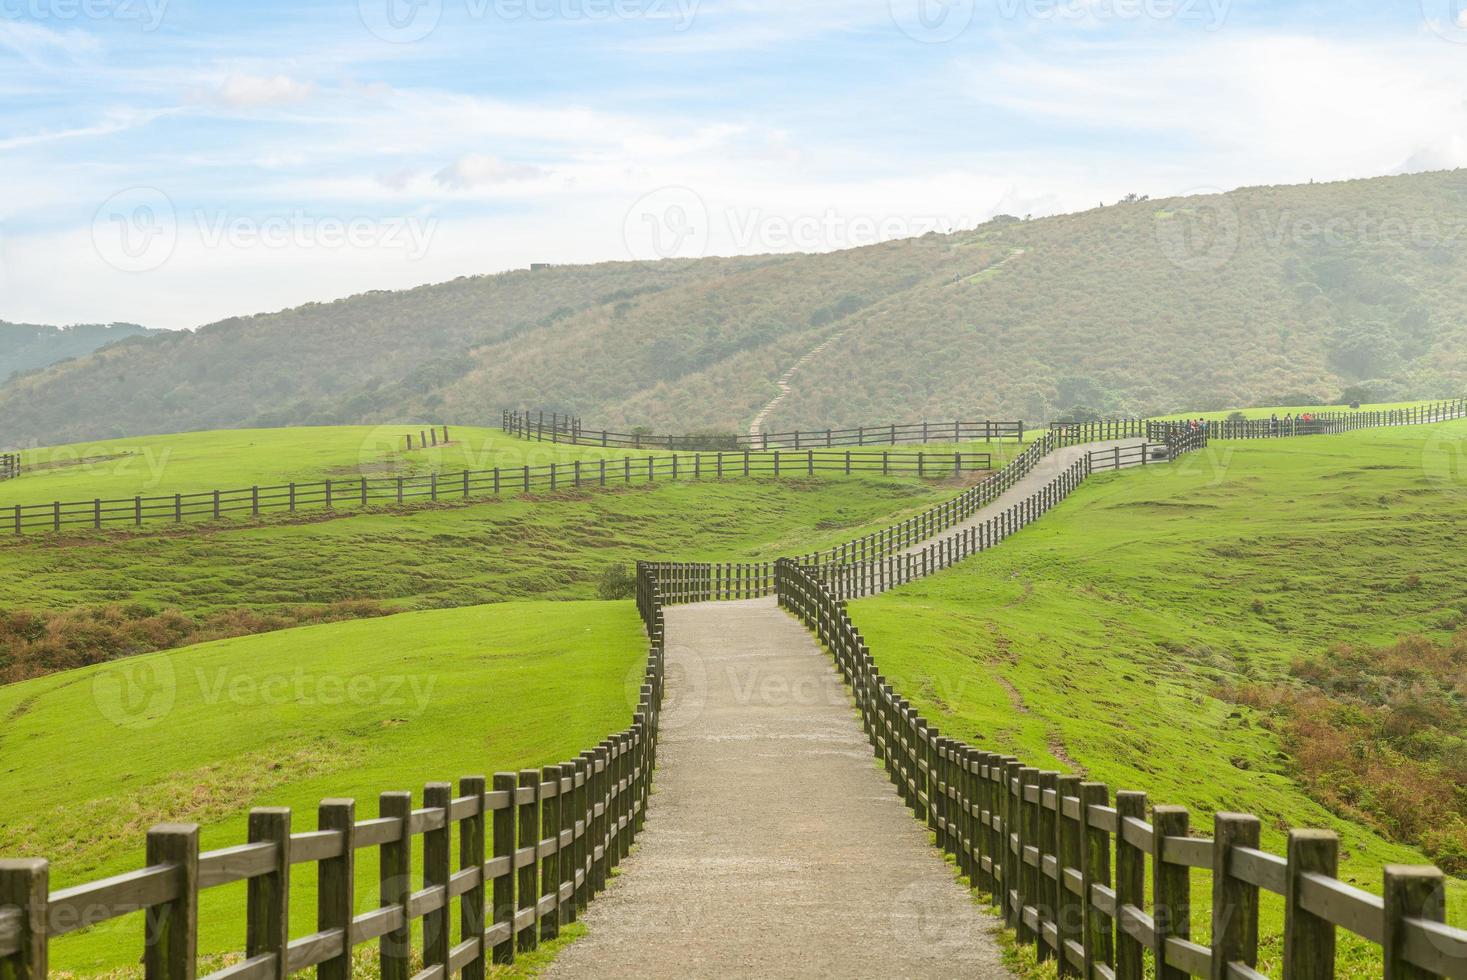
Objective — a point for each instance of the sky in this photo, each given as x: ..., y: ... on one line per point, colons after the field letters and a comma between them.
x: 176, y: 162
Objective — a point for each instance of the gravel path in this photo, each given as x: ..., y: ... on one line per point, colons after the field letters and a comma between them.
x: 774, y: 846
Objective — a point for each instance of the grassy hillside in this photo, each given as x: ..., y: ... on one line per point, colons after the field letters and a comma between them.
x: 230, y: 459
x: 361, y: 359
x: 347, y: 710
x: 28, y: 347
x: 1265, y: 295
x: 1103, y: 639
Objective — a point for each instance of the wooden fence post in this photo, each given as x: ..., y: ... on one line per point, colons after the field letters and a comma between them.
x: 528, y: 887
x: 1171, y: 888
x: 471, y: 836
x: 267, y: 917
x: 1410, y: 892
x: 1234, y: 901
x: 1309, y: 941
x: 25, y: 883
x: 1045, y: 839
x: 171, y: 930
x: 1130, y: 885
x: 395, y: 884
x: 504, y: 882
x: 437, y: 868
x: 550, y: 865
x: 567, y: 842
x: 1068, y: 914
x: 1095, y: 871
x: 336, y: 893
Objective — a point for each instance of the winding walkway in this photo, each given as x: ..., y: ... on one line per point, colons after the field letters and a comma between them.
x: 774, y: 846
x: 1045, y: 470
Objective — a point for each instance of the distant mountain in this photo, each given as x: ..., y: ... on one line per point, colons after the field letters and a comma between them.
x: 1260, y: 296
x: 27, y: 346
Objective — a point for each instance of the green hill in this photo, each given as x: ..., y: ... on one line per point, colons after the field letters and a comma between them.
x: 27, y: 346
x: 1265, y: 295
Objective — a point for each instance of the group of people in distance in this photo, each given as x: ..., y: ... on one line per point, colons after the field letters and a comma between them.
x: 1289, y: 420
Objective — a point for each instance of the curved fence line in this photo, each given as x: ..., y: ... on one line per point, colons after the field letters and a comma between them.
x: 364, y: 492
x: 1070, y: 872
x: 557, y: 428
x: 534, y: 847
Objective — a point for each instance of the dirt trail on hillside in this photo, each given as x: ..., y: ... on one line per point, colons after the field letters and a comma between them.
x: 774, y: 846
x: 783, y: 384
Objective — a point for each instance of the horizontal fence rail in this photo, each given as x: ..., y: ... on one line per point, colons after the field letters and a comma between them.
x: 534, y: 848
x: 1070, y: 870
x: 364, y: 492
x: 554, y: 427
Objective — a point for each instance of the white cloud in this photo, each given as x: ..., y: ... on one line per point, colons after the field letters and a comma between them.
x: 1245, y: 108
x: 480, y: 170
x: 240, y: 91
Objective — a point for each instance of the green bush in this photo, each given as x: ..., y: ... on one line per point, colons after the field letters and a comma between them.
x: 617, y: 582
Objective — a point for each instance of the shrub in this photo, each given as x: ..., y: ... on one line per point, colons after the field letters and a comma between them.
x: 617, y: 582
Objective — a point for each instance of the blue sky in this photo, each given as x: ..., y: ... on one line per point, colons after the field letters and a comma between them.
x: 173, y: 162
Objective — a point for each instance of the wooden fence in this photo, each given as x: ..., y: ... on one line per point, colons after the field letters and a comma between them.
x: 363, y: 492
x: 876, y: 560
x: 534, y: 848
x: 1071, y: 871
x: 1318, y: 423
x: 567, y: 429
x: 884, y: 559
x: 9, y: 466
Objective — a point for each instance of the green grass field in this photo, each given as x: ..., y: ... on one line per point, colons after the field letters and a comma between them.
x: 93, y: 757
x: 231, y: 459
x: 543, y: 547
x: 1094, y: 641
